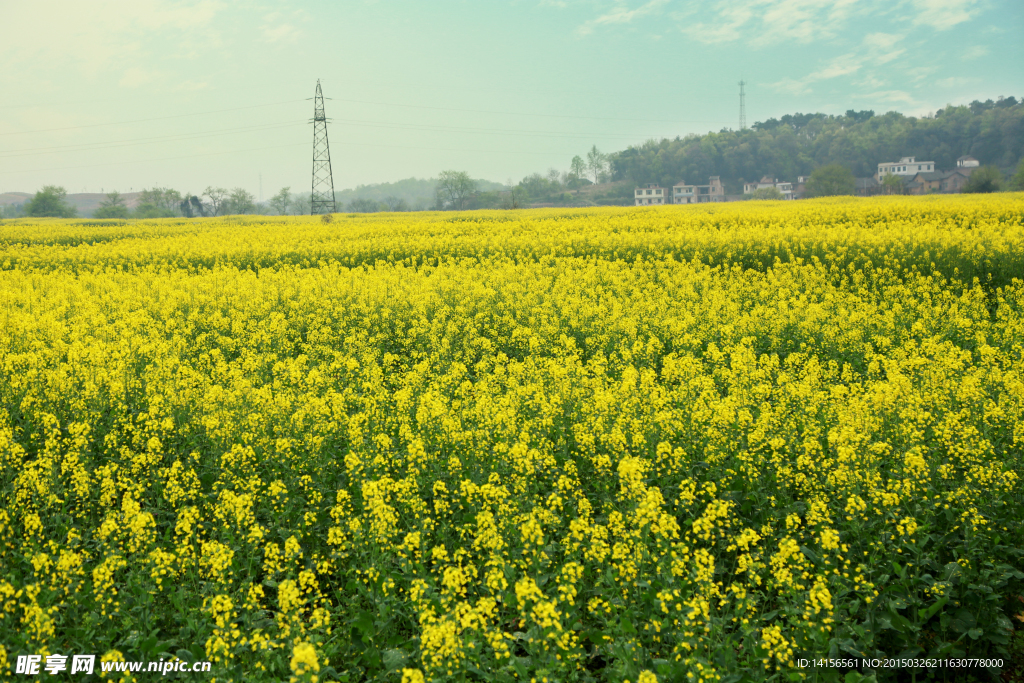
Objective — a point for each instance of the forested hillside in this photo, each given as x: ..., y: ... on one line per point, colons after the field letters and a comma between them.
x: 992, y: 132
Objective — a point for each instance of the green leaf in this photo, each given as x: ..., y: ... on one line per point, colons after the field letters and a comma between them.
x: 810, y: 555
x: 394, y: 659
x: 364, y: 623
x: 975, y: 633
x: 928, y: 613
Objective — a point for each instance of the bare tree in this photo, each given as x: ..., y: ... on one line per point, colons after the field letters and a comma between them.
x: 216, y: 195
x: 453, y: 189
x: 516, y: 197
x: 395, y: 203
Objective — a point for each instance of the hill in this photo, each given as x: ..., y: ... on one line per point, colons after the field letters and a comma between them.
x: 796, y: 144
x: 417, y: 192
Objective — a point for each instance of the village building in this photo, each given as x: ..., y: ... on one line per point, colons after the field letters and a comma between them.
x: 714, y: 191
x: 652, y: 194
x: 937, y: 181
x: 800, y: 190
x: 867, y: 187
x: 906, y: 166
x: 785, y: 188
x: 967, y: 162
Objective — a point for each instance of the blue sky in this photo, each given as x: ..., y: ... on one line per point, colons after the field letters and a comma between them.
x: 127, y: 94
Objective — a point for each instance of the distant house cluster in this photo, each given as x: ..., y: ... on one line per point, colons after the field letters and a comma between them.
x: 786, y: 189
x: 917, y: 177
x: 682, y: 193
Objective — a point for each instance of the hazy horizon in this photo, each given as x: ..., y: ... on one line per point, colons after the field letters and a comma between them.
x: 126, y: 95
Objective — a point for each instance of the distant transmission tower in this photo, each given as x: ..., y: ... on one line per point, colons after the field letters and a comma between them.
x: 323, y: 182
x: 743, y: 107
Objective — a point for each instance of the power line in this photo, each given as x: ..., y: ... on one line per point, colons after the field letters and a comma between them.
x: 93, y: 146
x: 296, y: 144
x: 388, y: 125
x: 385, y: 104
x: 513, y: 113
x: 147, y: 161
x: 156, y: 118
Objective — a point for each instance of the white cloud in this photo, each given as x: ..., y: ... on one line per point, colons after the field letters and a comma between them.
x: 975, y: 52
x: 280, y: 33
x: 890, y: 96
x: 870, y: 81
x: 944, y: 14
x: 766, y: 22
x: 134, y: 77
x: 95, y: 39
x: 621, y: 14
x: 875, y: 50
x: 919, y: 73
x: 952, y: 81
x: 790, y: 86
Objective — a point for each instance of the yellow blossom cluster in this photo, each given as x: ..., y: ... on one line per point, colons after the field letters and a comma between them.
x: 608, y: 444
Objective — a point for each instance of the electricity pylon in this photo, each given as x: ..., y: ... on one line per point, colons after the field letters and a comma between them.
x: 322, y: 200
x: 743, y: 107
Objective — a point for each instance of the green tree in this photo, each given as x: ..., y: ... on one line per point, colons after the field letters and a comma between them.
x: 302, y: 204
x: 827, y: 181
x: 454, y: 189
x: 49, y: 201
x: 12, y: 210
x: 363, y: 205
x: 984, y: 179
x: 240, y: 201
x: 394, y: 203
x: 892, y: 184
x: 1018, y: 180
x: 596, y: 162
x: 112, y: 207
x: 281, y: 201
x: 577, y: 166
x: 767, y: 193
x: 158, y: 202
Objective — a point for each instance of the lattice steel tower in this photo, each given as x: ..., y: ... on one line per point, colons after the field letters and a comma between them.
x: 743, y: 108
x: 323, y: 182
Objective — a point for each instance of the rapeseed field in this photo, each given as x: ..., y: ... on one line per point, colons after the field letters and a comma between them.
x: 616, y: 444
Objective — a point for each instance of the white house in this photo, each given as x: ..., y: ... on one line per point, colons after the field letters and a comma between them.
x: 714, y: 191
x: 905, y: 166
x: 785, y: 188
x: 967, y: 162
x: 652, y: 194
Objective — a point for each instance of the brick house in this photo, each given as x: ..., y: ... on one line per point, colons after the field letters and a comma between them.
x: 714, y: 191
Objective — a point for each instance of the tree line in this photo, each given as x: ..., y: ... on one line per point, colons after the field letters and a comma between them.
x: 831, y: 149
x: 797, y: 144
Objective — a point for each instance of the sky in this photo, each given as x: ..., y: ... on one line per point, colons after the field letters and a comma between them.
x: 128, y: 94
